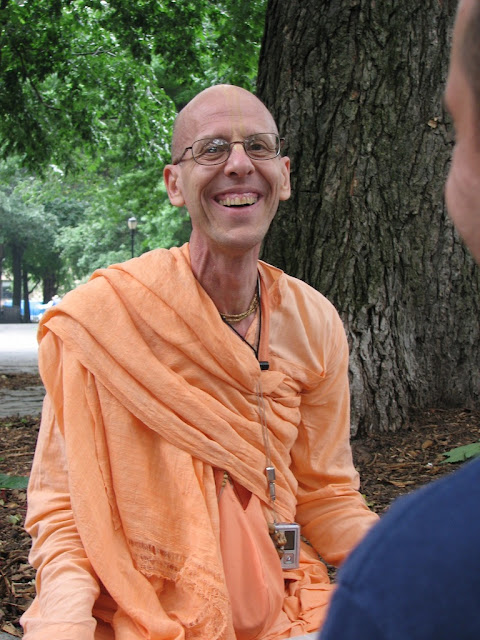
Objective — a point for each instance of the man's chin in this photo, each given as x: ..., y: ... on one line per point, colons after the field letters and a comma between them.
x: 237, y: 243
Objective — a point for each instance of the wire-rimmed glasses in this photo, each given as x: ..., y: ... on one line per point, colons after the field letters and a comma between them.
x: 211, y: 151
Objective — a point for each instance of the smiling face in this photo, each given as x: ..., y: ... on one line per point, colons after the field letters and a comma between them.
x: 231, y: 205
x: 462, y: 190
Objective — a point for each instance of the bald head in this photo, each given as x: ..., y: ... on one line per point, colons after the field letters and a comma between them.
x: 223, y: 97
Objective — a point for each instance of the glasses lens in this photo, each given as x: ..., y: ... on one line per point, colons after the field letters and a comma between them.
x: 210, y: 150
x: 262, y: 146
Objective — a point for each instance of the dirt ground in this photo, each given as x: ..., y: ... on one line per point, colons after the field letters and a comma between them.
x: 390, y: 464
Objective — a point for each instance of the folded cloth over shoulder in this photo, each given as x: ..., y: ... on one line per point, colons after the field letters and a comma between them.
x: 149, y: 391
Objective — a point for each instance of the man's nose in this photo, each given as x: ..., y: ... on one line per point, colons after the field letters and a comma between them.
x: 238, y: 162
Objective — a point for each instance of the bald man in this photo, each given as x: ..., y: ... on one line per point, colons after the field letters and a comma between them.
x: 193, y: 460
x: 417, y: 574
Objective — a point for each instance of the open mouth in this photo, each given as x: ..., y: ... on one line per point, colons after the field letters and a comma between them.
x: 237, y: 200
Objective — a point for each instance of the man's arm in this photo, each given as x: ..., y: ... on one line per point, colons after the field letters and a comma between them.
x: 70, y: 520
x: 333, y: 514
x: 66, y: 584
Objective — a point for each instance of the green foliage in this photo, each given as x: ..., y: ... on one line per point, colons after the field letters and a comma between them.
x: 99, y: 76
x: 143, y: 194
x: 13, y: 482
x: 460, y: 454
x: 66, y: 82
x: 102, y: 236
x: 28, y: 229
x: 68, y: 227
x: 88, y: 94
x: 32, y: 212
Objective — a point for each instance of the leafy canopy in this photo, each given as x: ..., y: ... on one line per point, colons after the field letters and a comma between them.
x: 108, y: 77
x: 88, y: 95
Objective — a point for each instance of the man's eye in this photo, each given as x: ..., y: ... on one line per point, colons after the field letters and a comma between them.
x: 257, y: 146
x: 213, y: 147
x: 261, y: 145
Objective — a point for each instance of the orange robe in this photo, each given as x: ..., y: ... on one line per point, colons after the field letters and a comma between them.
x: 148, y: 392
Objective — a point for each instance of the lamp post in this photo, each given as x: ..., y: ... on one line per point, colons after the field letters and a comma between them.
x: 132, y: 225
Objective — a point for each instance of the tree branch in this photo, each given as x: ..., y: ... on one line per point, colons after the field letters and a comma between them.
x: 97, y: 52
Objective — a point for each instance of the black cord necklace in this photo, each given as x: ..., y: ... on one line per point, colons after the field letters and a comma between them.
x: 255, y: 347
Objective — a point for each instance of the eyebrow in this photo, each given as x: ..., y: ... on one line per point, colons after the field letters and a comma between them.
x: 226, y: 137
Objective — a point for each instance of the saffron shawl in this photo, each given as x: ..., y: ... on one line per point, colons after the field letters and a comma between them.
x: 144, y: 353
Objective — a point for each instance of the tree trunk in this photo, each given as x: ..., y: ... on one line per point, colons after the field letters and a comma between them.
x: 49, y: 286
x: 2, y: 256
x: 356, y: 87
x: 26, y: 300
x: 17, y: 255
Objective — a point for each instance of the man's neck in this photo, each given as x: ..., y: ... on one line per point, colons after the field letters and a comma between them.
x: 229, y: 278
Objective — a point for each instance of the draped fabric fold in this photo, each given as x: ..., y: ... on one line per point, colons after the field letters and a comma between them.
x: 148, y: 392
x: 146, y: 343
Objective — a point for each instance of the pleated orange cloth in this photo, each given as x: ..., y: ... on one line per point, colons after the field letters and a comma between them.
x: 148, y: 392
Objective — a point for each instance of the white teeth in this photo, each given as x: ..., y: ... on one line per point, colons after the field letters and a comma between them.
x: 238, y: 200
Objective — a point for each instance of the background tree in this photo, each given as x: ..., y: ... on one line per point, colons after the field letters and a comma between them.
x: 32, y: 213
x: 94, y: 75
x: 28, y: 233
x: 357, y: 89
x: 89, y: 91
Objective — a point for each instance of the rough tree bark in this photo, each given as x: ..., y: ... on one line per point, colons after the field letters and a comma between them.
x: 17, y: 255
x: 26, y: 295
x: 356, y: 87
x: 49, y: 286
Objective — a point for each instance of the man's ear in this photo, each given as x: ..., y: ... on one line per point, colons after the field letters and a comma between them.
x: 171, y: 177
x: 285, y: 184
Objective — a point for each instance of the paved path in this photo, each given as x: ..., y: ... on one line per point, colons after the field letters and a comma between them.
x: 19, y: 354
x: 22, y: 402
x: 18, y: 348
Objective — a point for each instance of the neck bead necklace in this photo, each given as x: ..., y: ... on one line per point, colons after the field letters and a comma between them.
x: 238, y: 317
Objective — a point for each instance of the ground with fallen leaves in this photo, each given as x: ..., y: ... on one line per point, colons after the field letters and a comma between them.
x: 390, y: 464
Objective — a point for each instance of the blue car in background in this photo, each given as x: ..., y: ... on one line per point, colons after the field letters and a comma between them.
x: 37, y: 309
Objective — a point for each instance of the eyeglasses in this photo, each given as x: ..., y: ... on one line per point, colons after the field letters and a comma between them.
x: 210, y: 151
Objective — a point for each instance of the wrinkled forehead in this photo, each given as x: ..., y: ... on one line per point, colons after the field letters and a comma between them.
x: 227, y: 112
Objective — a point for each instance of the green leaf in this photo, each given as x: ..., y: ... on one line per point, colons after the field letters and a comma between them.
x: 15, y: 519
x: 13, y: 482
x: 460, y: 454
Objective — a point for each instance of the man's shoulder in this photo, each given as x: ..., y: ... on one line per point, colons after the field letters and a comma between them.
x: 121, y: 284
x: 417, y: 567
x: 449, y: 496
x: 147, y: 267
x: 440, y: 520
x: 289, y: 286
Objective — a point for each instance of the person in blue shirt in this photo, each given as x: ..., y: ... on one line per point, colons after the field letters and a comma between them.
x: 416, y: 575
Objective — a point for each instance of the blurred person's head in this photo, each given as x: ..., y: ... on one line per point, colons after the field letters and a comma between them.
x: 462, y: 97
